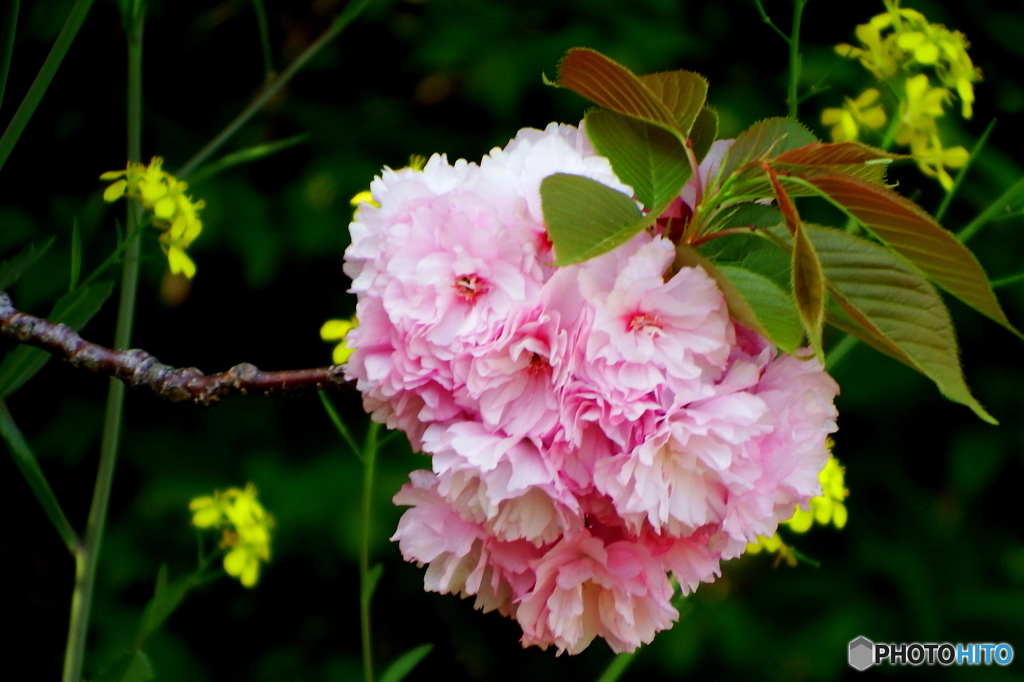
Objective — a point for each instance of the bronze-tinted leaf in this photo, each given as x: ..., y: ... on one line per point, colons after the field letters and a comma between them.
x: 836, y: 158
x: 916, y: 236
x: 763, y: 140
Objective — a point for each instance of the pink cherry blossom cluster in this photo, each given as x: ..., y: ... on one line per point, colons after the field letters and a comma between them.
x: 591, y: 428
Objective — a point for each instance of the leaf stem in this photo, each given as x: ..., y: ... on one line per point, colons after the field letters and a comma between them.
x: 346, y: 435
x: 7, y: 49
x: 1015, y: 193
x: 29, y: 466
x: 839, y: 351
x: 765, y: 18
x: 347, y: 16
x: 46, y: 73
x: 261, y: 20
x: 1006, y: 281
x: 617, y: 667
x: 87, y: 559
x: 369, y: 466
x: 794, y: 57
x: 962, y: 173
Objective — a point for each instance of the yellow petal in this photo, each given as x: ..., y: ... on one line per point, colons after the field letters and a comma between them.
x: 115, y: 191
x: 236, y: 561
x: 180, y: 263
x: 336, y: 330
x: 207, y: 517
x: 164, y: 208
x: 926, y: 53
x: 839, y: 514
x: 801, y: 521
x: 250, y: 574
x: 341, y: 354
x: 113, y: 175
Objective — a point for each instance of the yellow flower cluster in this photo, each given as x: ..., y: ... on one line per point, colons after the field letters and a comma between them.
x: 174, y: 212
x: 824, y: 509
x: 898, y: 44
x: 245, y: 526
x: 335, y: 331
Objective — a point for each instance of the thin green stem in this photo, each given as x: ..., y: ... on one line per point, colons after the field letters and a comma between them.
x: 766, y: 19
x: 247, y: 155
x: 7, y: 46
x: 840, y: 351
x: 794, y: 57
x: 38, y: 88
x: 27, y: 463
x: 1008, y: 198
x: 618, y: 666
x: 261, y: 20
x: 346, y: 435
x: 1006, y: 281
x: 86, y: 561
x: 270, y: 90
x: 962, y: 173
x: 369, y: 467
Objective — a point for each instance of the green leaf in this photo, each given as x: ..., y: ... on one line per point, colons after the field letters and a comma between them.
x: 773, y: 306
x: 405, y: 663
x: 884, y: 302
x: 75, y: 310
x: 585, y: 218
x: 76, y: 256
x: 167, y: 597
x: 372, y: 578
x: 645, y: 157
x: 764, y: 140
x: 749, y: 214
x: 15, y: 267
x: 683, y: 92
x: 704, y: 132
x: 916, y: 236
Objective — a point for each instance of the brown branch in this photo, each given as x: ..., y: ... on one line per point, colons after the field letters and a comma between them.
x: 139, y: 369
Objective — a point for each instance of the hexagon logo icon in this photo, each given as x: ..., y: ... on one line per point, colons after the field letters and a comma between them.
x: 862, y: 653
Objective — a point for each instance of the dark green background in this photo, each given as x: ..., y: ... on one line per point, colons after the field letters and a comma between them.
x: 934, y: 549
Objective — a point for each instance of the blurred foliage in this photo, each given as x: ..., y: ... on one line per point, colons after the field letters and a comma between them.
x: 934, y: 548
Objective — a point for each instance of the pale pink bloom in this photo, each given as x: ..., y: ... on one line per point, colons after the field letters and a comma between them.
x: 585, y: 589
x: 503, y: 483
x: 463, y: 557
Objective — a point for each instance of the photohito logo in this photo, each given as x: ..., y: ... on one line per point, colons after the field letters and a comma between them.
x: 864, y: 653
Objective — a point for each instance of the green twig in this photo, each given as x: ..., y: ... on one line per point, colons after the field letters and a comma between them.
x: 246, y: 156
x: 618, y: 666
x: 347, y: 16
x: 7, y: 46
x: 87, y: 559
x: 27, y: 463
x: 346, y: 435
x: 794, y: 57
x: 1006, y: 281
x: 369, y: 465
x: 1009, y: 197
x: 841, y: 349
x: 962, y: 173
x: 261, y: 19
x: 46, y: 73
x: 767, y: 20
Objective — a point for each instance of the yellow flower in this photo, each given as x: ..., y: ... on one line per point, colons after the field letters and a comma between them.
x: 174, y: 212
x: 826, y: 507
x: 776, y: 545
x: 847, y: 121
x: 245, y: 528
x: 921, y: 107
x: 337, y: 330
x: 878, y: 55
x: 933, y: 159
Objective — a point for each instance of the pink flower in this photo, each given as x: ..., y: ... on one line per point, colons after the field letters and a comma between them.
x: 591, y: 428
x: 587, y: 589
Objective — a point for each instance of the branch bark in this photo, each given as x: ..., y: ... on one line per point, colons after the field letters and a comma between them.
x: 139, y: 369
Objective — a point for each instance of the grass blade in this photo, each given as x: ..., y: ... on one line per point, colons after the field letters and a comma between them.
x: 962, y: 173
x: 7, y: 46
x: 248, y: 155
x: 76, y: 256
x: 43, y: 79
x: 1010, y: 197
